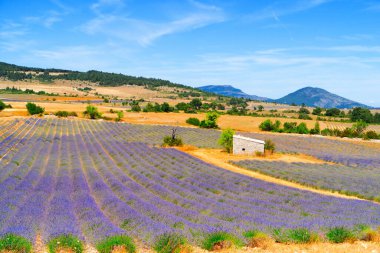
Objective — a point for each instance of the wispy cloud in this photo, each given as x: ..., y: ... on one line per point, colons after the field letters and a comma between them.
x: 144, y: 32
x: 283, y: 8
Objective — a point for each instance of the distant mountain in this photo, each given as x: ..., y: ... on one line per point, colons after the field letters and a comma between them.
x: 311, y: 96
x: 228, y: 90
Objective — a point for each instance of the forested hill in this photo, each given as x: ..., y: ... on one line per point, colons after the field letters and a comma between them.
x: 15, y: 73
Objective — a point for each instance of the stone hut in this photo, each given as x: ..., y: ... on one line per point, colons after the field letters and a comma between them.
x: 246, y: 146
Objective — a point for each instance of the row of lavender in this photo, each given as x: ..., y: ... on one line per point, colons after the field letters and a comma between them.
x: 362, y: 182
x: 87, y: 179
x: 331, y: 150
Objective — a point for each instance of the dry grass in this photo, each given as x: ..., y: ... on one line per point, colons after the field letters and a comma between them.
x: 357, y: 247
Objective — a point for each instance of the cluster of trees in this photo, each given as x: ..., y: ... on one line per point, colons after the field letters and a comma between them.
x: 358, y: 130
x: 365, y: 115
x: 238, y: 106
x: 14, y: 90
x: 356, y: 114
x: 289, y: 127
x: 196, y: 104
x: 209, y: 122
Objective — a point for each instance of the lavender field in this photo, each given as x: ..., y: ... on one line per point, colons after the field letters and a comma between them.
x: 347, y: 153
x: 94, y: 179
x: 362, y: 182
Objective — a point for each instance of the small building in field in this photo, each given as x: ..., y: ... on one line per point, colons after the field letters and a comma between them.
x: 247, y: 146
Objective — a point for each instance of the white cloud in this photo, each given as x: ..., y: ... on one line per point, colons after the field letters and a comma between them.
x: 102, y: 6
x: 145, y: 32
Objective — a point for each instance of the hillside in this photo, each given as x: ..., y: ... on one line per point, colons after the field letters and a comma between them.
x: 14, y: 73
x: 228, y: 90
x: 311, y: 96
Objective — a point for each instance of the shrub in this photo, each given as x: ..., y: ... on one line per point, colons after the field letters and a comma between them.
x: 303, y: 110
x: 339, y: 235
x: 317, y: 111
x: 359, y: 127
x: 267, y: 125
x: 304, y: 116
x: 109, y: 244
x: 366, y: 233
x: 371, y: 135
x: 290, y: 127
x: 270, y: 146
x: 226, y: 139
x: 279, y: 235
x: 65, y: 242
x: 34, y: 109
x: 135, y: 108
x: 172, y: 140
x: 15, y: 243
x: 170, y: 243
x: 302, y: 128
x: 193, y: 121
x: 333, y: 112
x: 92, y: 112
x: 120, y: 115
x: 316, y: 129
x: 220, y: 240
x: 2, y: 105
x: 299, y: 235
x: 169, y: 141
x: 257, y: 239
x: 65, y: 114
x: 210, y: 121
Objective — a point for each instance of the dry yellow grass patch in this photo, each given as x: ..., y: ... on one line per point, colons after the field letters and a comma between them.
x: 357, y: 247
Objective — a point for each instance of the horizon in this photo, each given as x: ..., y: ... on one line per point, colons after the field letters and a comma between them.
x: 268, y: 50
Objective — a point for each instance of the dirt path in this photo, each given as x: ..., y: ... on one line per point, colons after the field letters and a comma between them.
x: 220, y: 159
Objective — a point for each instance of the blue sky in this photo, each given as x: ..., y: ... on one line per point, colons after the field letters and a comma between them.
x: 267, y: 48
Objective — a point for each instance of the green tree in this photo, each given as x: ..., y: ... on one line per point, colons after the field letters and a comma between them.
x: 333, y: 112
x: 165, y: 107
x: 363, y: 114
x: 34, y: 109
x: 2, y: 105
x: 359, y: 127
x: 260, y: 108
x: 317, y: 111
x: 316, y: 129
x: 196, y: 103
x: 92, y: 112
x: 210, y: 121
x: 135, y: 108
x: 120, y: 115
x: 226, y: 139
x: 268, y: 125
x: 182, y: 106
x: 303, y: 110
x: 302, y: 128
